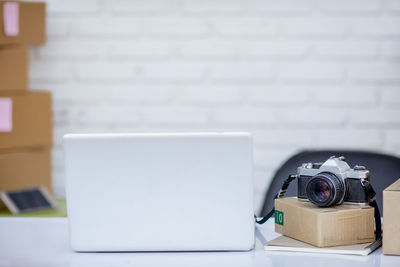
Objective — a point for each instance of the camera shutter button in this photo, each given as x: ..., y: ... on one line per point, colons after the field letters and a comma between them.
x: 359, y: 168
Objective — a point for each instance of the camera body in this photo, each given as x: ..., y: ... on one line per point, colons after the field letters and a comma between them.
x: 332, y: 182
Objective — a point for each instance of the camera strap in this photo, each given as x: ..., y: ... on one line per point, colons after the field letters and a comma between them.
x: 369, y: 191
x: 279, y: 195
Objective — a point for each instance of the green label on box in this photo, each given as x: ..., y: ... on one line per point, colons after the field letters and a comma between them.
x: 278, y: 217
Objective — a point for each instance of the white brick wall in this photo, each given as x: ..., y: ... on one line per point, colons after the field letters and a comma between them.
x: 296, y: 73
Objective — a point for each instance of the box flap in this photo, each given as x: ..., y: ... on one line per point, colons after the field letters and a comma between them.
x: 394, y: 187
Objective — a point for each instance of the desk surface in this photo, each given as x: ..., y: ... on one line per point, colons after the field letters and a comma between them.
x: 44, y: 242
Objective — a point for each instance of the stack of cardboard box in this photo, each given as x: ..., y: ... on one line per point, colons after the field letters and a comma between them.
x: 25, y: 117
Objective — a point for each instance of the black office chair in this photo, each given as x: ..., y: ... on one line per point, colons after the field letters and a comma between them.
x: 384, y: 170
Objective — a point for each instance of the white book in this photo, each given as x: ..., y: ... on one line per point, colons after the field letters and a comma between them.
x: 284, y: 243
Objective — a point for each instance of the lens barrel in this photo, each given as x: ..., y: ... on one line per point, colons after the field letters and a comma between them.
x: 325, y: 189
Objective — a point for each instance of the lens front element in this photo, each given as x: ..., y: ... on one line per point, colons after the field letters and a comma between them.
x: 320, y: 191
x: 325, y: 189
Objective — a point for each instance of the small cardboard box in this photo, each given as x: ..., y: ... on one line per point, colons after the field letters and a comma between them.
x: 13, y: 69
x: 25, y: 169
x: 25, y: 121
x: 22, y: 23
x: 324, y: 227
x: 391, y: 219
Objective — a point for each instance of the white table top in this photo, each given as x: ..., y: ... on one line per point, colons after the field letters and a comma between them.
x: 44, y: 242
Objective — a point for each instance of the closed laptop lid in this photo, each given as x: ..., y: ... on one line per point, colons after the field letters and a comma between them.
x: 159, y: 192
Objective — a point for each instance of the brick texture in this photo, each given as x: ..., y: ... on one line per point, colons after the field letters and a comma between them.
x: 298, y: 74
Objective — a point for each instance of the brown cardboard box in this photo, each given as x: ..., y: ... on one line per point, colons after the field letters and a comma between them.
x: 324, y: 227
x: 13, y: 69
x: 25, y: 169
x: 32, y: 22
x: 391, y: 219
x: 31, y: 121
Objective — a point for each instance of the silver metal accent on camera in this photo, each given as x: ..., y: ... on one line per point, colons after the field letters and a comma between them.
x: 359, y: 168
x: 335, y: 165
x: 357, y: 203
x: 303, y: 199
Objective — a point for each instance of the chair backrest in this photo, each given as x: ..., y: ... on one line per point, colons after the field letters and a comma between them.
x: 384, y: 170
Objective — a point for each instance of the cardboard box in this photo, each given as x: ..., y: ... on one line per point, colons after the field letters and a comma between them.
x: 25, y: 169
x: 324, y: 227
x: 391, y: 219
x: 13, y: 69
x: 22, y: 23
x: 25, y: 121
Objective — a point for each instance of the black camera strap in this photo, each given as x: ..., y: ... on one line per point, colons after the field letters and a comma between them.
x: 279, y: 195
x: 369, y: 191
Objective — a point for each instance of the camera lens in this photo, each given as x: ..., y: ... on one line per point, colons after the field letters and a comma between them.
x: 320, y: 191
x: 325, y: 189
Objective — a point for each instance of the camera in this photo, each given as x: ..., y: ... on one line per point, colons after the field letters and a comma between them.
x: 331, y: 183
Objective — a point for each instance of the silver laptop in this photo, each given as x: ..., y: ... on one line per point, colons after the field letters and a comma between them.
x: 159, y: 192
